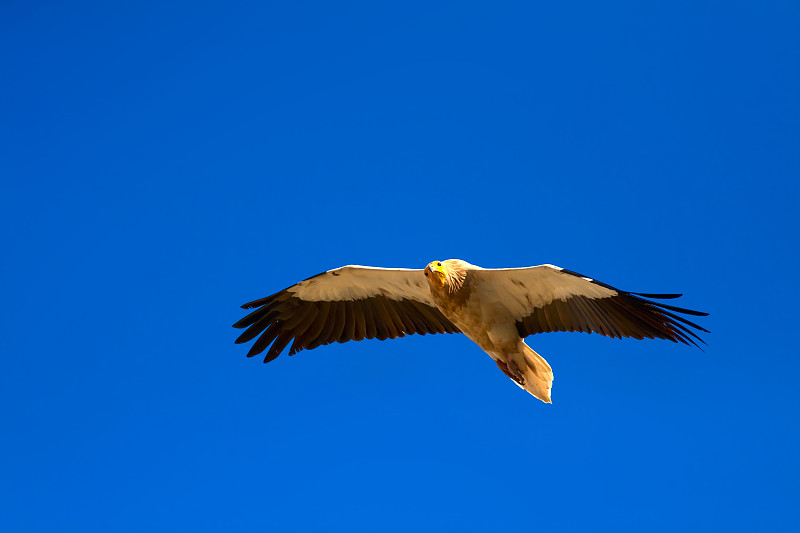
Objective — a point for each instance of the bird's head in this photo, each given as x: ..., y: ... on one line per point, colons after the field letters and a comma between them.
x: 436, y: 272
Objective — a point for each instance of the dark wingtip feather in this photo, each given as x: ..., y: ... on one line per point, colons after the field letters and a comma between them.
x: 658, y: 296
x: 261, y: 301
x: 243, y: 323
x: 680, y: 309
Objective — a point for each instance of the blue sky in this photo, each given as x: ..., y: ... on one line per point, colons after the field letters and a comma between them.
x: 164, y: 162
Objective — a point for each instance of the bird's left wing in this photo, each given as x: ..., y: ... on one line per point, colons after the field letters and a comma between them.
x: 348, y: 303
x: 549, y: 298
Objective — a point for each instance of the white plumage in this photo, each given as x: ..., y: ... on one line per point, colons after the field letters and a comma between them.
x: 495, y: 308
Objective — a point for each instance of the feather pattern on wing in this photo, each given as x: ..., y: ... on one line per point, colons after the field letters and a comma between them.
x: 547, y: 298
x: 340, y: 305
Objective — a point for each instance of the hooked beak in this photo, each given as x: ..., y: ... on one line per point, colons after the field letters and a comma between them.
x: 437, y: 276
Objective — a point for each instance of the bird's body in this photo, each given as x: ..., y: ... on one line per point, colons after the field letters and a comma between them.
x: 476, y: 308
x: 495, y: 308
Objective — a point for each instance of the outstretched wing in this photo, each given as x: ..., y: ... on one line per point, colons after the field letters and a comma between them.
x: 348, y: 303
x: 548, y: 298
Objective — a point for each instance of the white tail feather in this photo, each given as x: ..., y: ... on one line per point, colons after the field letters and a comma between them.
x: 538, y: 376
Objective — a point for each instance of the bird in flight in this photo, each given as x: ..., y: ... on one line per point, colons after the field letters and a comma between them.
x: 495, y: 308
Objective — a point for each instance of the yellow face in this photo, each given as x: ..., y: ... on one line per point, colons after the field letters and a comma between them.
x: 436, y: 274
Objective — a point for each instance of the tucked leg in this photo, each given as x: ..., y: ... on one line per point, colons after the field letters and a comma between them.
x: 527, y: 369
x: 511, y: 370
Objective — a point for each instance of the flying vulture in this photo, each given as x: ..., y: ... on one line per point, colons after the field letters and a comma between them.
x: 495, y: 308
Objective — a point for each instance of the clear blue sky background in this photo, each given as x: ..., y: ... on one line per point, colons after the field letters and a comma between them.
x: 163, y: 163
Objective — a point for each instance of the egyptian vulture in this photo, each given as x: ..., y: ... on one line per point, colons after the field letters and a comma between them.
x: 495, y: 308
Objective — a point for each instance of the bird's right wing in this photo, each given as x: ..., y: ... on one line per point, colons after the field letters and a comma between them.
x: 549, y: 298
x: 348, y: 303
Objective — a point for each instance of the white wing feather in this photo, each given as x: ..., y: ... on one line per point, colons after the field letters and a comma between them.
x: 356, y: 282
x: 522, y: 289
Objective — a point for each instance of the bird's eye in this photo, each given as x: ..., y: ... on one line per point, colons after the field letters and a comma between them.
x: 438, y: 263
